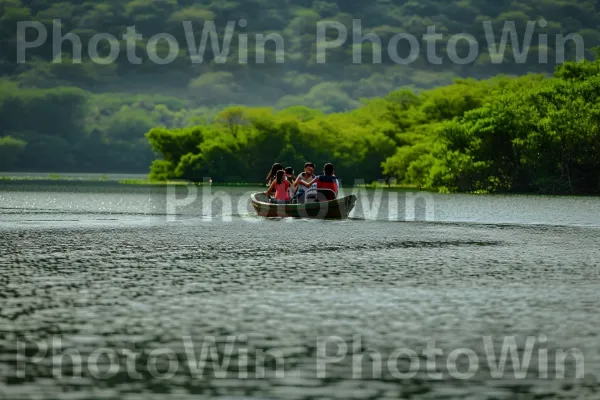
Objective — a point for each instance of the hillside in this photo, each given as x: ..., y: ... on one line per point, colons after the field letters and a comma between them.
x: 60, y: 115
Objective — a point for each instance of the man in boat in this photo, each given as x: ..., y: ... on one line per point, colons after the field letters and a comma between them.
x: 307, y: 175
x: 327, y: 181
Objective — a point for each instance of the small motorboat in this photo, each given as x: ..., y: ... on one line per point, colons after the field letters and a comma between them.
x: 323, y: 207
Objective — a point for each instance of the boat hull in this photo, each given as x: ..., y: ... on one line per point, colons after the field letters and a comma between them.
x: 333, y: 209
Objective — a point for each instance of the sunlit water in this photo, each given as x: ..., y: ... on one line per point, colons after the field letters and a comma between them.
x: 113, y: 267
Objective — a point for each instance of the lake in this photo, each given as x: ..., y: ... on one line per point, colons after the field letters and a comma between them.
x: 143, y: 292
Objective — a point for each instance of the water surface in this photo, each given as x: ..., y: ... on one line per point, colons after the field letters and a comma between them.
x: 104, y: 266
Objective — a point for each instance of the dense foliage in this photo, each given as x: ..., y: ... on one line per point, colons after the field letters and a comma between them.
x: 530, y: 134
x: 527, y: 134
x: 59, y: 115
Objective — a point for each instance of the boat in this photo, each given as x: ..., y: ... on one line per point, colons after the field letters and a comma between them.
x: 323, y: 208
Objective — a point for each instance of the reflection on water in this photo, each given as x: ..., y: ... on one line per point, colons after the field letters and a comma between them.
x: 100, y: 268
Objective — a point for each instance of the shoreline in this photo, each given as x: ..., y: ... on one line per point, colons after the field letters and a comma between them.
x: 40, y: 178
x: 107, y: 181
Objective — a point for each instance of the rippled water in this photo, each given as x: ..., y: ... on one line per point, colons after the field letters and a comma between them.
x: 97, y: 270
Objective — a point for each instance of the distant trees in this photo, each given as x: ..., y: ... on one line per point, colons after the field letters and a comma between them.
x: 294, y: 21
x: 10, y: 151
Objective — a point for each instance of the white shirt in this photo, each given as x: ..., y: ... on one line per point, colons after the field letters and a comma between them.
x: 311, y: 188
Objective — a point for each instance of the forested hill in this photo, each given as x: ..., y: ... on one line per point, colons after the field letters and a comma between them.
x: 60, y: 115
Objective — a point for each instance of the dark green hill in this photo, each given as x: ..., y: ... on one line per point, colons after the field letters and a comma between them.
x: 75, y: 101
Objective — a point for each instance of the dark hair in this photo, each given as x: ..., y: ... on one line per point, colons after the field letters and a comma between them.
x: 276, y: 167
x: 289, y: 170
x: 309, y: 164
x: 328, y: 169
x: 280, y: 174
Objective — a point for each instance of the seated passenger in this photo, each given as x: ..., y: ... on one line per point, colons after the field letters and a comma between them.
x: 281, y: 187
x: 289, y: 174
x: 307, y: 175
x: 271, y: 177
x: 326, y: 181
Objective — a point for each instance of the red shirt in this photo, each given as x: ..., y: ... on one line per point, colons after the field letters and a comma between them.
x: 326, y: 183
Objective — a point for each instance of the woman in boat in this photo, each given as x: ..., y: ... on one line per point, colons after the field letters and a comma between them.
x: 281, y: 187
x: 307, y: 175
x: 326, y: 181
x: 271, y: 177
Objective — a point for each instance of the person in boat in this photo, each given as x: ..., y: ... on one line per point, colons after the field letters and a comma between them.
x: 307, y: 175
x: 326, y: 181
x: 272, y: 174
x: 289, y: 174
x: 280, y: 186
